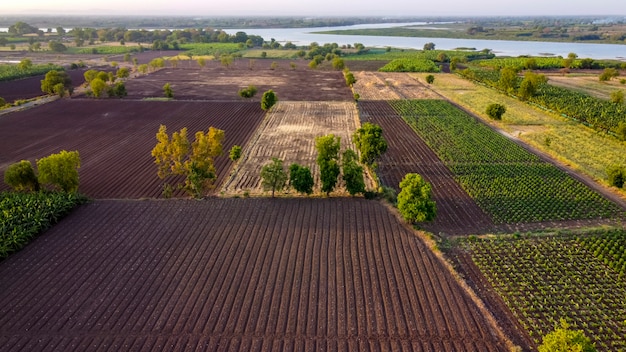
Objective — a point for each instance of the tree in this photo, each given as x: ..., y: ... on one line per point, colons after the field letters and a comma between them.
x: 226, y: 60
x: 118, y: 90
x: 352, y: 173
x: 429, y: 46
x: 350, y: 80
x: 530, y: 84
x: 57, y: 47
x: 273, y: 176
x: 301, y: 179
x: 268, y: 100
x: 235, y: 153
x: 167, y: 91
x: 608, y: 74
x: 176, y: 156
x: 60, y: 170
x: 25, y: 64
x: 495, y: 111
x: 508, y: 79
x: 569, y: 61
x: 616, y: 175
x: 370, y: 142
x: 414, y: 200
x: 98, y: 87
x: 122, y: 73
x: 90, y: 75
x: 53, y: 78
x: 327, y: 158
x: 338, y: 63
x: 430, y: 79
x: 21, y: 177
x: 565, y: 340
x: 617, y: 97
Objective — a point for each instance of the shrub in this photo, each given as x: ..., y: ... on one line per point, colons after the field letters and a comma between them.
x: 268, y: 100
x: 248, y: 92
x: 167, y: 91
x: 495, y: 111
x: 430, y: 79
x: 60, y: 170
x: 235, y: 153
x: 21, y: 176
x: 616, y: 175
x: 563, y: 339
x: 301, y: 179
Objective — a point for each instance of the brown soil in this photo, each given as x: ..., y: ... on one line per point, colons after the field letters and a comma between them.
x: 28, y: 88
x: 115, y: 138
x: 235, y: 274
x: 217, y: 83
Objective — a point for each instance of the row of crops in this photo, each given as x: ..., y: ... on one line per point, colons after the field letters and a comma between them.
x: 10, y: 72
x: 410, y: 65
x: 545, y: 278
x: 509, y: 183
x: 600, y: 114
x: 24, y: 215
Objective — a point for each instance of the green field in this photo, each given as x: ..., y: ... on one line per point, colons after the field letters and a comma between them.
x: 542, y: 279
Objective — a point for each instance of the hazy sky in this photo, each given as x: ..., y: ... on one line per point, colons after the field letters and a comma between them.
x: 318, y: 7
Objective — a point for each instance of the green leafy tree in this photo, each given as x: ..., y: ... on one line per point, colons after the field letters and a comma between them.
x: 414, y: 200
x: 429, y: 46
x: 370, y: 142
x: 508, y: 79
x: 349, y: 77
x: 53, y: 78
x: 122, y: 72
x: 495, y: 111
x: 327, y: 158
x: 117, y: 90
x: 563, y: 339
x: 57, y: 47
x: 352, y: 173
x: 167, y: 91
x: 25, y: 64
x: 430, y: 79
x: 273, y: 176
x: 60, y: 170
x: 235, y: 153
x: 98, y: 87
x: 616, y: 175
x: 530, y: 84
x: 226, y: 60
x: 21, y: 177
x: 301, y: 179
x: 569, y: 61
x: 268, y: 100
x: 608, y: 74
x: 338, y: 63
x: 90, y: 75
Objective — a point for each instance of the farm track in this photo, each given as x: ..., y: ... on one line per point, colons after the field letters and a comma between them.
x: 235, y: 274
x: 457, y: 213
x: 114, y: 138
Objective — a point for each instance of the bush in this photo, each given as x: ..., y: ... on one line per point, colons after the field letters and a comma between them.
x: 60, y: 170
x: 430, y: 79
x: 268, y: 100
x: 21, y: 177
x: 301, y: 179
x: 248, y: 92
x: 235, y: 153
x: 167, y: 91
x: 616, y: 175
x: 620, y: 131
x: 495, y: 111
x: 563, y: 339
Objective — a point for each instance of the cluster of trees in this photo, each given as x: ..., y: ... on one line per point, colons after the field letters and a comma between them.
x: 57, y: 171
x: 57, y: 82
x: 103, y: 82
x: 175, y: 156
x: 524, y: 88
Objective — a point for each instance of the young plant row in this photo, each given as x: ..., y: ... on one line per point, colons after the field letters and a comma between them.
x: 9, y: 72
x: 410, y: 65
x: 508, y: 182
x: 25, y: 215
x: 543, y: 279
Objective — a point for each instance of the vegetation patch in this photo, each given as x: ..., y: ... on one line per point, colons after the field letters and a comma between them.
x: 25, y: 215
x: 508, y: 182
x: 545, y: 278
x: 410, y: 65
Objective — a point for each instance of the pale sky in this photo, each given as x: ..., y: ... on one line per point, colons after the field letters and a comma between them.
x: 345, y: 8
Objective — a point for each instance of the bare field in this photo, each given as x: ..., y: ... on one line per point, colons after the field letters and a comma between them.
x: 588, y: 83
x: 235, y: 275
x: 390, y: 86
x: 288, y: 133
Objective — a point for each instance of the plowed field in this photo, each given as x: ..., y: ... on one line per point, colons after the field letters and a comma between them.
x: 114, y: 138
x: 390, y: 86
x: 215, y: 82
x: 30, y: 87
x: 457, y: 213
x: 233, y: 274
x: 289, y: 134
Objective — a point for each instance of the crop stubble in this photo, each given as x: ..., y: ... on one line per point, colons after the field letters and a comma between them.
x: 234, y: 274
x: 289, y: 134
x: 390, y: 86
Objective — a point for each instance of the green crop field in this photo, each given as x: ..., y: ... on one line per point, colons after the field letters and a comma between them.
x: 542, y: 279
